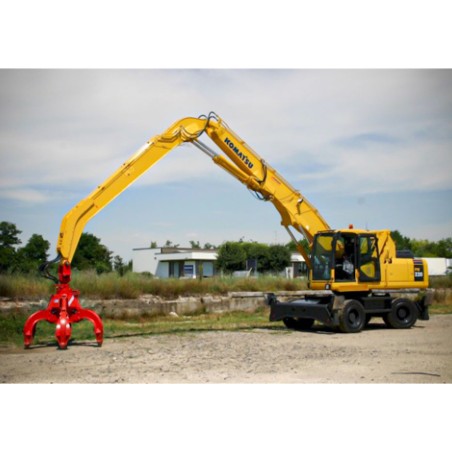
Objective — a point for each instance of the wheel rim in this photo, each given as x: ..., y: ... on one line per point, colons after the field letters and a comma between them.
x: 403, y: 314
x: 354, y: 318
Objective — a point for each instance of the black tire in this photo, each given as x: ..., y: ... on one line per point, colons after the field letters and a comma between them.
x: 289, y: 322
x: 352, y: 318
x: 403, y: 315
x: 298, y: 324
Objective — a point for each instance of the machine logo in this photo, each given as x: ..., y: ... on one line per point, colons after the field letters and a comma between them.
x: 244, y: 157
x: 418, y: 269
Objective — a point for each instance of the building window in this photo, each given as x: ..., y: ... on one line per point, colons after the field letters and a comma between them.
x: 189, y: 270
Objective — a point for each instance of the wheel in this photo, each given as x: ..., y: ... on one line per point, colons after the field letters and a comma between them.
x: 303, y: 324
x: 289, y: 322
x: 298, y: 324
x: 352, y: 318
x: 403, y: 314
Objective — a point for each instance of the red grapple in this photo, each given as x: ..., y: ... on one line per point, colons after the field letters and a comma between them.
x: 63, y: 309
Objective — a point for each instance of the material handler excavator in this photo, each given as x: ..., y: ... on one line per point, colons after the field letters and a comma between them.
x: 354, y: 274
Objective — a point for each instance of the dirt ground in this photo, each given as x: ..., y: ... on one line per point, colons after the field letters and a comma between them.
x: 422, y: 354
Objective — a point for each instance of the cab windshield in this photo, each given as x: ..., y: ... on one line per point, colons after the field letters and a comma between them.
x: 351, y: 256
x: 322, y: 257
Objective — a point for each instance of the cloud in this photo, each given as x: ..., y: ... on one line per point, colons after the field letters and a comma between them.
x: 26, y: 195
x: 362, y: 140
x: 93, y: 120
x: 347, y: 132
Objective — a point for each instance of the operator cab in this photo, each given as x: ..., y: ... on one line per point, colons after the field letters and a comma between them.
x: 345, y: 257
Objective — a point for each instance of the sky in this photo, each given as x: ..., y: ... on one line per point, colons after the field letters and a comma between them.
x: 372, y: 148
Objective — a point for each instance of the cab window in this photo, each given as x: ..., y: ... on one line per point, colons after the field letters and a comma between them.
x: 322, y: 257
x: 369, y: 262
x: 345, y: 258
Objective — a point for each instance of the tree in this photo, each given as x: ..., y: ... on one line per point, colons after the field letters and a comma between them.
x: 154, y: 245
x: 8, y: 239
x: 34, y: 253
x: 9, y: 235
x: 278, y: 258
x: 36, y: 248
x: 231, y: 257
x: 91, y: 254
x: 170, y: 244
x: 292, y: 247
x: 401, y: 242
x: 258, y: 252
x: 444, y: 248
x: 120, y: 267
x: 423, y: 248
x: 195, y: 245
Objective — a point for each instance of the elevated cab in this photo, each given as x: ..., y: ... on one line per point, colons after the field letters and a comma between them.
x: 353, y: 260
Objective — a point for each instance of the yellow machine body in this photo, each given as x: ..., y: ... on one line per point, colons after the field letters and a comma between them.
x: 352, y: 260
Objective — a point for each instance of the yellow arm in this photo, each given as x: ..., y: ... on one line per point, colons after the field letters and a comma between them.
x: 259, y: 176
x: 157, y: 147
x: 242, y: 162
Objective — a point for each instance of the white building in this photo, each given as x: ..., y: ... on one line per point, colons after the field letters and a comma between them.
x: 298, y: 267
x: 174, y: 262
x: 438, y: 266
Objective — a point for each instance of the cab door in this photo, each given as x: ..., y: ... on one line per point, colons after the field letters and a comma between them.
x: 345, y: 261
x: 368, y: 259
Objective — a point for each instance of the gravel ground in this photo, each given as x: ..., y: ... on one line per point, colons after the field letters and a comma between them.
x: 422, y: 354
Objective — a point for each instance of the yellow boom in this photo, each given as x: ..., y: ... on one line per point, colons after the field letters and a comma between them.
x: 239, y: 160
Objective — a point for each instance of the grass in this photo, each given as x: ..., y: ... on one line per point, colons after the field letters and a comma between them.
x: 24, y: 286
x: 441, y: 309
x: 441, y: 282
x: 11, y: 326
x: 109, y: 286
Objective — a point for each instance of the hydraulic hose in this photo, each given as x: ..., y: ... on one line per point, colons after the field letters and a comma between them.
x: 43, y: 269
